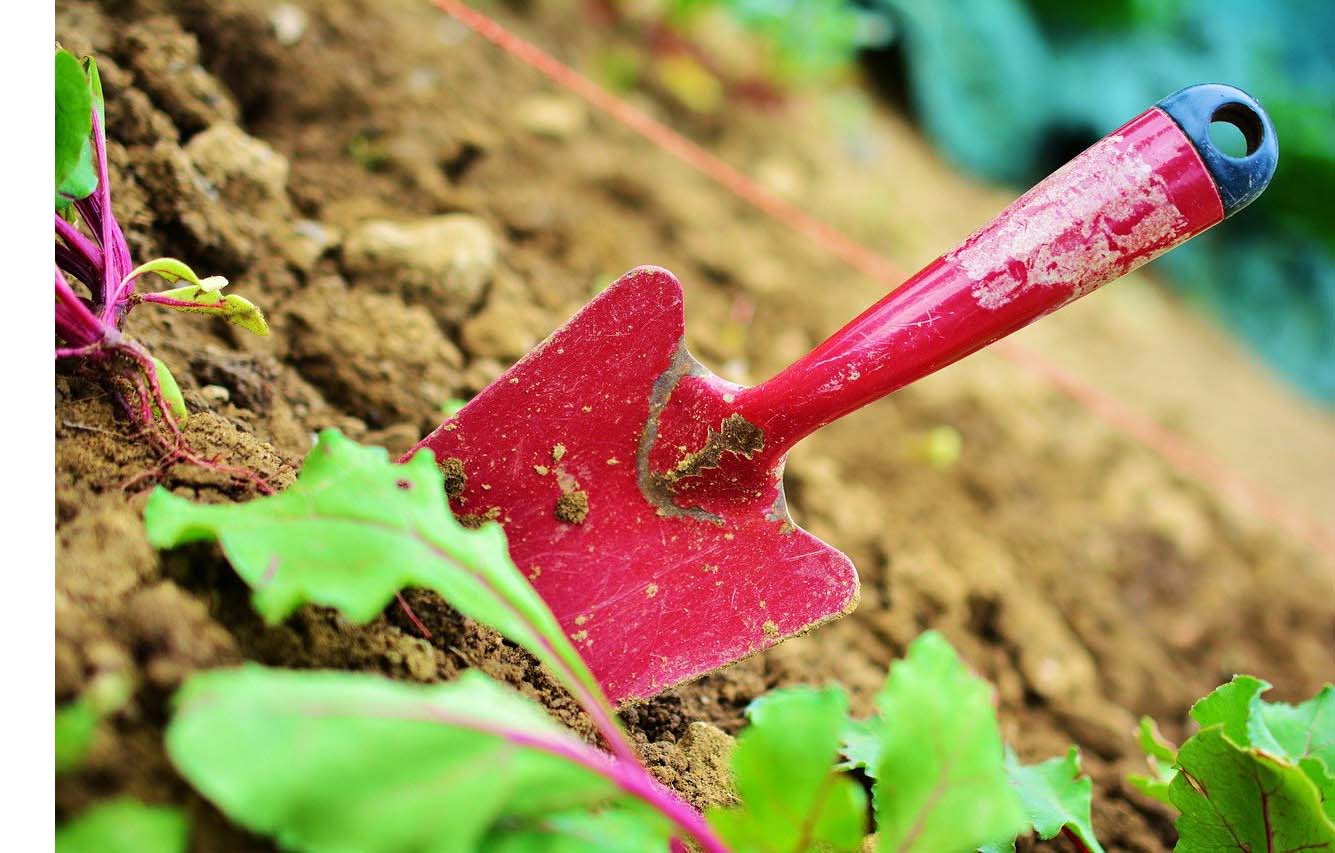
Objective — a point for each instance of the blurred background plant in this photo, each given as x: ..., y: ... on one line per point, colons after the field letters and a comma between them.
x: 1010, y: 89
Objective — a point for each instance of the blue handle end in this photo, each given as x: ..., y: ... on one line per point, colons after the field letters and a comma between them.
x: 1239, y: 179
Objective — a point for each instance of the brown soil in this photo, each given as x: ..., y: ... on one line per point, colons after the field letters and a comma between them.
x: 1071, y: 567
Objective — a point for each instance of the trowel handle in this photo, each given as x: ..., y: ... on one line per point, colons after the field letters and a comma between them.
x: 1143, y: 189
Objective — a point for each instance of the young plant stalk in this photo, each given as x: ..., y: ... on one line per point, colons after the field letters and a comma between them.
x: 90, y: 329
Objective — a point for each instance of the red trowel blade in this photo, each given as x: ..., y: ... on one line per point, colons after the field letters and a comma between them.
x: 650, y: 596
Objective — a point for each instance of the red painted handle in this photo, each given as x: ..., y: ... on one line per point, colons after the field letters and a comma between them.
x: 1133, y: 195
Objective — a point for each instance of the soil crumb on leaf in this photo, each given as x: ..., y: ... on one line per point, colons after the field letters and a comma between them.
x: 573, y: 507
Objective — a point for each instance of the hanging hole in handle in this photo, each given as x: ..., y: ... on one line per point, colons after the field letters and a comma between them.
x: 1239, y: 178
x: 1236, y: 131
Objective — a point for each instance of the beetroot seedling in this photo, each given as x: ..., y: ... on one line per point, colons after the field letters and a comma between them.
x: 316, y: 759
x: 1257, y: 776
x: 95, y: 279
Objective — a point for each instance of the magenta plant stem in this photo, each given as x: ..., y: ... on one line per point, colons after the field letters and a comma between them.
x: 116, y: 253
x: 595, y: 705
x: 75, y: 323
x: 630, y: 776
x: 636, y: 781
x: 159, y: 299
x: 78, y: 243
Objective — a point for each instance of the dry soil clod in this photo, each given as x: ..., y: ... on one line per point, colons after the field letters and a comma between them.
x: 736, y: 435
x: 573, y: 507
x: 452, y: 469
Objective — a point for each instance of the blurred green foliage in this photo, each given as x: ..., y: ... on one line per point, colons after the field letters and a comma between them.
x: 1010, y: 89
x: 806, y: 40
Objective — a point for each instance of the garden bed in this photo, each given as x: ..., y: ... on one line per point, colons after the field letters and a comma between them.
x: 1072, y: 568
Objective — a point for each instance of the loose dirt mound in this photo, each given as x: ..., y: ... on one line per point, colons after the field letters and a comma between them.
x: 414, y: 211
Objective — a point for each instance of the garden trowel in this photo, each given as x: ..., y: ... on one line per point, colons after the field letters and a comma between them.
x: 643, y: 495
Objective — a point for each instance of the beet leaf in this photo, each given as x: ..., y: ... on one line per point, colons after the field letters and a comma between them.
x: 941, y: 778
x: 792, y: 798
x: 1239, y: 798
x: 1258, y: 775
x: 335, y: 761
x: 354, y: 530
x: 1056, y: 797
x: 76, y: 725
x: 124, y: 826
x: 75, y: 175
x: 1161, y: 757
x: 1302, y: 734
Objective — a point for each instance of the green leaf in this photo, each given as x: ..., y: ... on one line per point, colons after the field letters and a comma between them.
x: 76, y: 722
x: 81, y: 181
x: 1156, y: 785
x: 74, y: 115
x: 1230, y: 705
x: 1239, y: 798
x: 354, y: 530
x: 1055, y: 796
x: 76, y: 725
x: 861, y: 745
x: 200, y: 295
x: 236, y: 310
x: 1153, y: 743
x: 942, y: 783
x: 171, y: 392
x: 1160, y: 755
x: 335, y: 761
x: 124, y: 826
x: 95, y: 91
x: 172, y: 270
x: 791, y: 797
x: 607, y: 831
x: 1286, y: 731
x: 1304, y: 735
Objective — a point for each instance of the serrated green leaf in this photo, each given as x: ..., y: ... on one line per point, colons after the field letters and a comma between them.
x: 74, y: 116
x: 1239, y: 798
x: 335, y: 761
x: 355, y: 529
x: 942, y: 782
x: 1230, y: 705
x: 860, y: 745
x: 1160, y: 755
x: 76, y: 725
x: 201, y: 296
x: 124, y: 826
x: 1323, y: 780
x: 1302, y: 734
x: 1296, y: 732
x: 1156, y: 786
x: 170, y: 269
x: 1154, y: 744
x: 1055, y: 796
x: 171, y: 392
x: 791, y: 798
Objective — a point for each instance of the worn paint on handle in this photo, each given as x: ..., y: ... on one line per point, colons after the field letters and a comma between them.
x: 1130, y: 197
x: 682, y: 557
